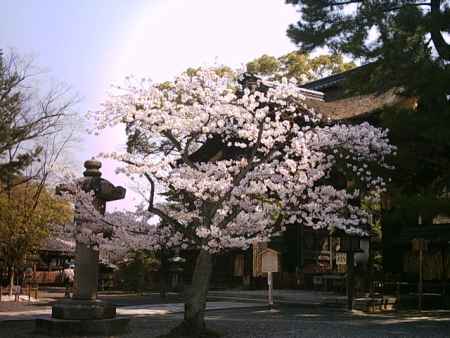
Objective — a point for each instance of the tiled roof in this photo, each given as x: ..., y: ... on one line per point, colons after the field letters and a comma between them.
x: 342, y: 107
x: 332, y: 80
x: 57, y: 244
x: 354, y: 106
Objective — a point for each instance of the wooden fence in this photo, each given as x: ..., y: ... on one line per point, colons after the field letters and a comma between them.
x: 31, y: 291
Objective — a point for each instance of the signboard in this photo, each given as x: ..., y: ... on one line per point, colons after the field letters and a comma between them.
x: 441, y: 219
x: 258, y: 248
x: 341, y: 258
x: 269, y: 260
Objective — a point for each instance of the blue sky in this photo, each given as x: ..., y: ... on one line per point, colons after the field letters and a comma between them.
x: 91, y: 44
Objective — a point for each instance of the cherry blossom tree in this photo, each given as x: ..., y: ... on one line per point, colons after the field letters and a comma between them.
x: 113, y: 234
x: 236, y: 160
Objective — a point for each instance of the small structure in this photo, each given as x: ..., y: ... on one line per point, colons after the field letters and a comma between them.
x: 84, y: 314
x: 176, y: 272
x: 269, y: 263
x: 53, y: 257
x: 350, y: 245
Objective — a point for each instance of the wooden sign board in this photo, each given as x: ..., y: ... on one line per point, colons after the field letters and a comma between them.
x: 269, y: 260
x: 341, y: 258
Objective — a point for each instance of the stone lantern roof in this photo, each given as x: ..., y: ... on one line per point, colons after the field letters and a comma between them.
x: 104, y: 190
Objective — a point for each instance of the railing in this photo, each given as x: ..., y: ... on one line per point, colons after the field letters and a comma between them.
x: 29, y: 290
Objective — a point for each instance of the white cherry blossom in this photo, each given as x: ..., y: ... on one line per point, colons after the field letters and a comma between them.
x: 239, y: 160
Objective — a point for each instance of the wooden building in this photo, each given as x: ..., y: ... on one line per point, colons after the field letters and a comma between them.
x: 311, y: 258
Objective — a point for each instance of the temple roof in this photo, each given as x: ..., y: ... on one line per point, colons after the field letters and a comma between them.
x: 337, y: 104
x: 58, y: 245
x: 333, y: 80
x: 354, y: 106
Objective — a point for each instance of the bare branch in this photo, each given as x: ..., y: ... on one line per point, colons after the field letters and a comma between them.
x: 183, y: 152
x: 439, y: 42
x: 153, y: 209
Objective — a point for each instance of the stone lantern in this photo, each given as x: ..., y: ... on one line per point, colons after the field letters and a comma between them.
x: 84, y: 314
x: 176, y: 270
x: 350, y: 245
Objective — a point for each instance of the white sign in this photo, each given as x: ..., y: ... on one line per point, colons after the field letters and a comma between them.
x: 441, y: 219
x: 269, y: 261
x: 341, y: 258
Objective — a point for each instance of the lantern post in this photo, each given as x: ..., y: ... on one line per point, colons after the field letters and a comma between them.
x: 350, y: 245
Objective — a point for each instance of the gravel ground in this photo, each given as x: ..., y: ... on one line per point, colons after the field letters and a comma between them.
x: 283, y: 323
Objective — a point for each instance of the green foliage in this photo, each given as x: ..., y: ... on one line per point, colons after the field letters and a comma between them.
x: 264, y: 65
x: 346, y: 26
x: 399, y: 35
x: 402, y: 42
x: 27, y: 213
x: 298, y: 65
x: 135, y: 273
x: 423, y: 141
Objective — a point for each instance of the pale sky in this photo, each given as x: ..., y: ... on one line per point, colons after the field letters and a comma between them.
x: 91, y: 44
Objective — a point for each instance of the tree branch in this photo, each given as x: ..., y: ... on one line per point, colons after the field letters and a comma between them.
x: 180, y: 149
x: 442, y: 47
x: 157, y: 211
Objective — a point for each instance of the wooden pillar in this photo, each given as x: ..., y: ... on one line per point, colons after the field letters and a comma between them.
x: 270, y: 288
x: 370, y: 263
x: 302, y: 247
x: 331, y: 252
x: 420, y: 284
x: 350, y: 278
x: 444, y: 278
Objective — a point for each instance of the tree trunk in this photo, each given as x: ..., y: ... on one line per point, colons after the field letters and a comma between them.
x: 11, y: 282
x: 194, y: 308
x: 163, y: 274
x: 350, y: 279
x: 370, y: 263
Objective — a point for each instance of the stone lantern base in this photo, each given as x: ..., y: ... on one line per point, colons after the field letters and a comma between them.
x: 83, y: 309
x: 82, y: 318
x: 98, y: 327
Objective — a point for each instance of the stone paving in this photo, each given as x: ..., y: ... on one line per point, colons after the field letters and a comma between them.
x: 285, y: 322
x: 299, y: 297
x: 134, y: 310
x: 245, y: 314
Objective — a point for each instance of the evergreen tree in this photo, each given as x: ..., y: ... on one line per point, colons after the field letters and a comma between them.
x: 404, y: 42
x: 301, y: 66
x: 404, y: 37
x: 28, y: 117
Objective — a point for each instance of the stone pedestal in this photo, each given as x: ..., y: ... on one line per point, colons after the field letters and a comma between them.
x: 83, y: 309
x: 82, y: 318
x: 86, y: 272
x: 84, y: 315
x: 69, y: 328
